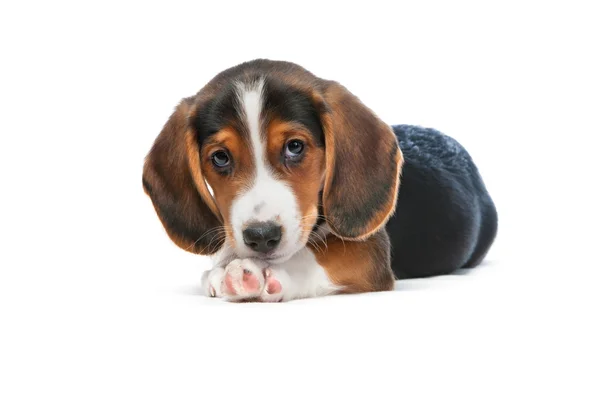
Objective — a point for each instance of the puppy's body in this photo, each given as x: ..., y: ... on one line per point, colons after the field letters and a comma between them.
x: 305, y: 180
x: 445, y: 218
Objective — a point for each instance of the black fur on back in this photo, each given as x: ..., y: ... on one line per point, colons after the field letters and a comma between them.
x: 445, y: 218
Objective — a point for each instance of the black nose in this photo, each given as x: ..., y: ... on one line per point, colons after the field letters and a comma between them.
x: 262, y: 236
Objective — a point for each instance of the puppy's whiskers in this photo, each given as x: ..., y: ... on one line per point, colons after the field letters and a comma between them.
x: 216, y: 231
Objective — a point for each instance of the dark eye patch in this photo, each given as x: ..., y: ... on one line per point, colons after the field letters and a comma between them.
x: 292, y: 105
x: 216, y: 113
x: 279, y: 101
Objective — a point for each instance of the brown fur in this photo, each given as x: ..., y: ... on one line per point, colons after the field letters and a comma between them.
x: 357, y: 266
x: 174, y: 183
x: 363, y: 166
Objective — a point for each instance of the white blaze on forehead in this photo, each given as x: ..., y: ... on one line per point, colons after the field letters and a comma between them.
x: 252, y: 103
x: 267, y: 198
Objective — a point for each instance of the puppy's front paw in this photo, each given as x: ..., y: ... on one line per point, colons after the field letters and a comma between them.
x: 211, y: 283
x: 243, y: 280
x: 273, y: 291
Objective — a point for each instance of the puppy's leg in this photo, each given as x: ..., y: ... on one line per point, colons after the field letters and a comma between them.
x: 210, y: 285
x: 339, y: 267
x: 241, y: 279
x: 358, y: 266
x: 335, y: 266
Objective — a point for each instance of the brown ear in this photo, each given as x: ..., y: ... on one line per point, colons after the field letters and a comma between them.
x: 363, y: 166
x: 173, y: 179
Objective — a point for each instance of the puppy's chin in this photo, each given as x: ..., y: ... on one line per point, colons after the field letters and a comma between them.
x: 286, y: 254
x: 278, y: 257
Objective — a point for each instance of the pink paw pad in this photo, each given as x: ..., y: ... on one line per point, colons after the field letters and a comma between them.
x: 273, y: 285
x: 249, y: 283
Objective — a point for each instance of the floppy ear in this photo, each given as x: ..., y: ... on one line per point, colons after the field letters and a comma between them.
x: 173, y: 180
x: 363, y: 162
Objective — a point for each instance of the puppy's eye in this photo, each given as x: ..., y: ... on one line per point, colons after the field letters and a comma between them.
x: 220, y: 159
x: 294, y: 148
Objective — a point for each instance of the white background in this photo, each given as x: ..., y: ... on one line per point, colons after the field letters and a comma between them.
x: 97, y: 303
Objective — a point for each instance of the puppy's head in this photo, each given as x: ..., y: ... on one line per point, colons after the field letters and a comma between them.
x: 264, y: 153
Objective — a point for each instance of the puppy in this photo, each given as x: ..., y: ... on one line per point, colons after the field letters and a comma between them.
x: 296, y: 189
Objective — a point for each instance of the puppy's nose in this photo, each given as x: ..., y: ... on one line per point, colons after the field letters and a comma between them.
x: 262, y: 236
